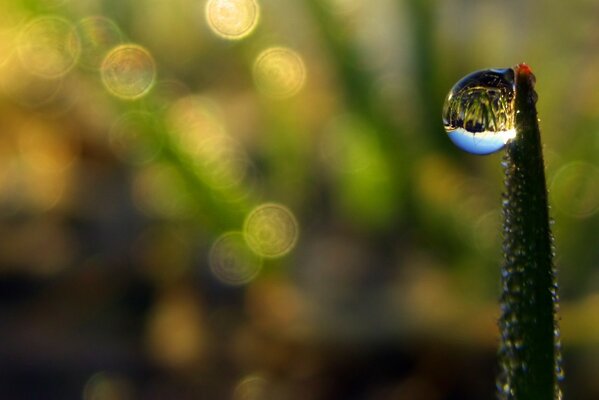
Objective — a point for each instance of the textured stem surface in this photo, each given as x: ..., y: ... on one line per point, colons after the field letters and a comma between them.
x: 529, y: 350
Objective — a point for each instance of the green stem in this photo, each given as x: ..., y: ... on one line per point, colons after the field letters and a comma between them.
x: 529, y: 350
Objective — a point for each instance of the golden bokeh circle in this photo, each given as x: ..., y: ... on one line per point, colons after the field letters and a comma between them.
x: 232, y: 19
x: 128, y: 71
x: 279, y: 72
x: 271, y: 230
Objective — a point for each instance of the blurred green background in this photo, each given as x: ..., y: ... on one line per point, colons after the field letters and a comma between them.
x: 237, y: 199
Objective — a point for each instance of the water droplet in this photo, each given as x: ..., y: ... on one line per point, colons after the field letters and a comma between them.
x: 478, y: 114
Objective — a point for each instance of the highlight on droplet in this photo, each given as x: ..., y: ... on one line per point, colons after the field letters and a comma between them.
x: 48, y: 47
x: 271, y: 230
x: 128, y: 71
x: 98, y: 35
x: 279, y: 72
x: 479, y: 113
x: 232, y: 262
x: 232, y: 19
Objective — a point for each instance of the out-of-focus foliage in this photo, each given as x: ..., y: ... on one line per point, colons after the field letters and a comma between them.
x: 256, y: 199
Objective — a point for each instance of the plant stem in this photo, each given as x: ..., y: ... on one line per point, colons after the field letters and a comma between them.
x: 529, y: 350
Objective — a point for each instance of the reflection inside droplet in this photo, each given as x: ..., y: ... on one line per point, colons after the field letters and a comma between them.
x: 271, y: 230
x: 478, y: 114
x: 128, y: 71
x: 98, y: 35
x: 231, y: 261
x: 279, y: 72
x: 48, y: 47
x: 232, y: 19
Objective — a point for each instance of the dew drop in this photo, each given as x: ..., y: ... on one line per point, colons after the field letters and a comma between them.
x: 478, y: 114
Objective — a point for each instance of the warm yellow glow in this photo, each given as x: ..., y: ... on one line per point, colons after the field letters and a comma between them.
x: 279, y: 72
x: 232, y: 19
x: 48, y: 47
x: 128, y: 71
x: 175, y: 334
x: 98, y: 35
x: 7, y: 43
x: 45, y: 148
x: 231, y: 261
x: 271, y: 230
x: 21, y: 86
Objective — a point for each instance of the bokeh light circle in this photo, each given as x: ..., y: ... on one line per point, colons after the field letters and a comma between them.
x: 271, y: 230
x: 48, y: 47
x: 128, y: 71
x: 98, y: 35
x: 231, y: 261
x: 575, y: 189
x: 279, y: 72
x: 232, y: 19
